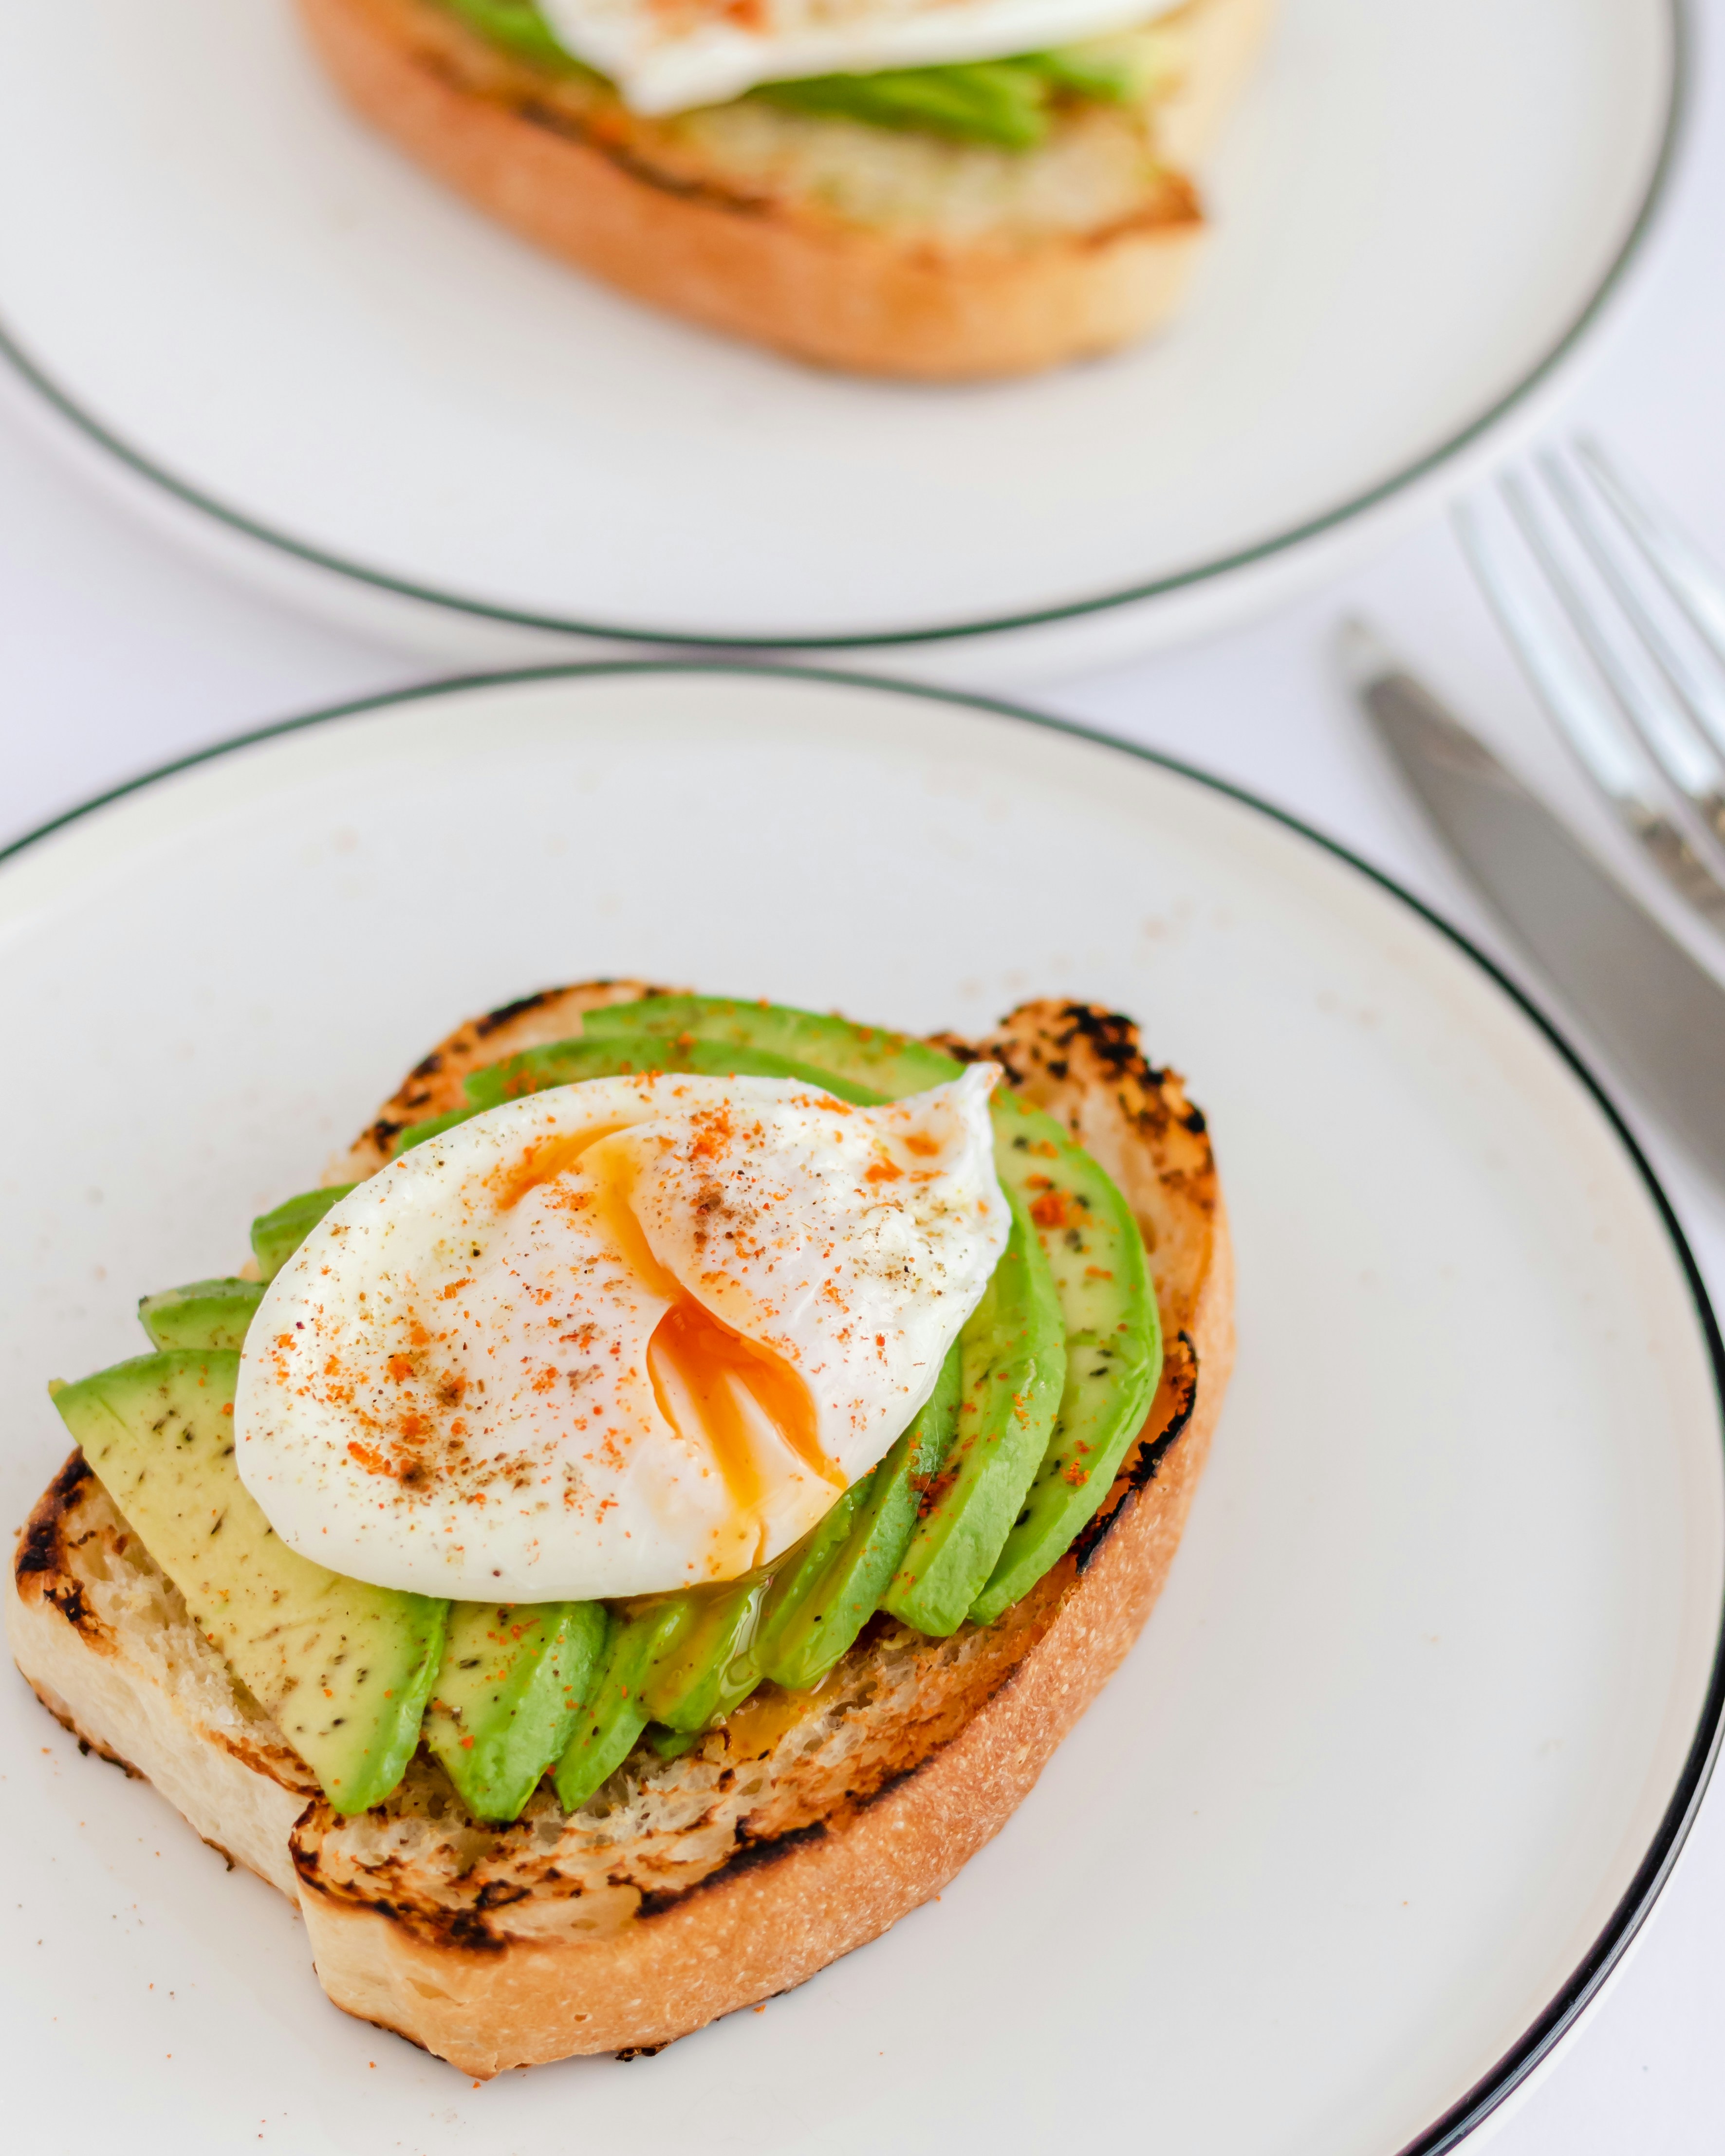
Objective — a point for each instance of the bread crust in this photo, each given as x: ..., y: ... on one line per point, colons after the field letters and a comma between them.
x: 782, y: 272
x: 111, y: 1683
x: 510, y: 1968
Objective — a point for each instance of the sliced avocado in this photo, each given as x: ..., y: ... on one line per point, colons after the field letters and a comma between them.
x: 607, y: 1730
x: 517, y: 27
x: 275, y: 1236
x: 816, y: 1609
x: 1013, y: 1358
x: 1113, y: 1342
x: 557, y: 1063
x: 703, y: 1670
x: 345, y: 1669
x: 619, y: 1053
x: 1008, y: 102
x: 573, y: 1062
x: 822, y: 1047
x: 1114, y: 71
x: 998, y: 101
x: 799, y: 1574
x: 211, y: 1313
x: 511, y: 1686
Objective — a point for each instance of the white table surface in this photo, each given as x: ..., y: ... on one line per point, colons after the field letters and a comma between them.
x: 116, y: 655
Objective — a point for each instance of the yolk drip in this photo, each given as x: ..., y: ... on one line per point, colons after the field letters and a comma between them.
x: 544, y: 1162
x: 682, y: 1348
x: 696, y: 1357
x: 756, y: 1726
x: 713, y: 1364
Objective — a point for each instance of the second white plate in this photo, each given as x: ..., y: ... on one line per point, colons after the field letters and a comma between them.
x: 266, y: 329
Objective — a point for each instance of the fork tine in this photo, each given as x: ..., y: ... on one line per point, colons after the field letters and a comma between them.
x: 1680, y: 752
x: 1679, y: 564
x: 1702, y: 698
x: 1579, y: 716
x: 1586, y: 725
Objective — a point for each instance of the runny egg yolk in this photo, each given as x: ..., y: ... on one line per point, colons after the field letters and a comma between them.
x: 702, y: 1370
x: 616, y: 1337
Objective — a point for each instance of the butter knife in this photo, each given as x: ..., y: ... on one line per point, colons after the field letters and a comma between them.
x: 1659, y: 1014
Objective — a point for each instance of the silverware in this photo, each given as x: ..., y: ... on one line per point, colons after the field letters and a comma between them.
x: 1649, y: 614
x: 1654, y: 1009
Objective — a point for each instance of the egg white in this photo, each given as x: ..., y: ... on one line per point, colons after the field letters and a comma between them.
x: 616, y: 1337
x: 665, y: 57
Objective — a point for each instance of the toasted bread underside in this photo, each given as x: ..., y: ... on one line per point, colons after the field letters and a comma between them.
x: 804, y: 1827
x: 848, y: 245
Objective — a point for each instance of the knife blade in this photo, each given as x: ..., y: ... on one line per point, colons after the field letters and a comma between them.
x: 1654, y: 1010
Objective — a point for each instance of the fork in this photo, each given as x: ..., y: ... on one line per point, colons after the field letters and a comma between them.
x: 1645, y: 703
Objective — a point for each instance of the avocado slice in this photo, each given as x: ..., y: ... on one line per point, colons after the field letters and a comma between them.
x: 345, y: 1669
x: 519, y: 28
x: 681, y: 1660
x: 209, y: 1313
x: 1101, y: 1276
x: 607, y: 1730
x: 1010, y: 102
x: 275, y: 1236
x: 822, y: 1048
x: 513, y: 1679
x: 816, y: 1608
x: 1014, y: 1364
x: 703, y: 1669
x: 800, y: 1576
x: 573, y: 1062
x: 622, y: 1051
x: 998, y: 101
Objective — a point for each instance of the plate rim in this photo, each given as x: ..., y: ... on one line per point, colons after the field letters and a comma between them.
x: 1679, y: 101
x: 1542, y: 2037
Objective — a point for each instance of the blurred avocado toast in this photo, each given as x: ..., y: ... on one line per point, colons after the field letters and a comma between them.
x: 1000, y: 211
x: 519, y: 1830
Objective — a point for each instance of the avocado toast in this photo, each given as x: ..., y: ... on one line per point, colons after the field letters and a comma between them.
x: 745, y: 1780
x: 945, y: 223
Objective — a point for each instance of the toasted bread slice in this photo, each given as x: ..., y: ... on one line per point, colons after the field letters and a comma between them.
x: 853, y: 246
x: 805, y: 1825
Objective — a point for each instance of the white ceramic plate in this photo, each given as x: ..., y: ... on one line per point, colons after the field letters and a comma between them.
x: 269, y: 331
x: 1416, y: 1728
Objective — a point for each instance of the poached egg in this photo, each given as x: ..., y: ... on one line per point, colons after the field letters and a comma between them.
x: 616, y: 1337
x: 668, y: 55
